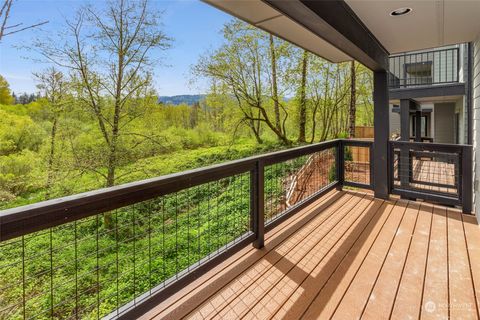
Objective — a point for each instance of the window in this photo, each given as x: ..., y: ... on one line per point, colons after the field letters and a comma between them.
x: 418, y: 73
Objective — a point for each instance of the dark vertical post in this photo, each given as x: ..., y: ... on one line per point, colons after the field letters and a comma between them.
x: 418, y: 126
x: 469, y: 93
x: 405, y: 120
x: 404, y: 156
x: 370, y: 162
x: 340, y: 164
x: 257, y: 200
x: 466, y: 178
x: 381, y: 134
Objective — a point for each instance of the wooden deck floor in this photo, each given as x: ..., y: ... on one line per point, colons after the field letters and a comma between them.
x: 346, y: 256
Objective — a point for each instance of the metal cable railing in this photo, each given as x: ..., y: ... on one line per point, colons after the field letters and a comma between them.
x: 439, y: 66
x: 431, y: 171
x: 109, y: 252
x: 357, y: 165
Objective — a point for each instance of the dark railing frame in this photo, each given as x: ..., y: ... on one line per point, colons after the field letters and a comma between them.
x: 464, y: 183
x: 394, y: 82
x: 17, y: 222
x: 355, y: 143
x: 23, y: 220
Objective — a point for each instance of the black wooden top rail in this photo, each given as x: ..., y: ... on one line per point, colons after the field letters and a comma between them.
x: 23, y: 220
x: 437, y: 147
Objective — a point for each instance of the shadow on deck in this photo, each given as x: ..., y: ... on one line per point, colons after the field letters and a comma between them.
x: 346, y: 256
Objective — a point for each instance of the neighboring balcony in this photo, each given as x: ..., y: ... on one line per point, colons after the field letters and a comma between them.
x: 425, y: 68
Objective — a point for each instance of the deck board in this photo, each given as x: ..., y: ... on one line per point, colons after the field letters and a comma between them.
x: 249, y: 287
x: 346, y: 256
x: 462, y: 298
x: 435, y: 290
x: 408, y: 302
x: 357, y: 294
x: 472, y: 237
x: 383, y: 295
x: 305, y: 291
x: 324, y: 251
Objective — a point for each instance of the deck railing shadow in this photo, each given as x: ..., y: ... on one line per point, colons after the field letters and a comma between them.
x: 274, y: 238
x: 342, y: 257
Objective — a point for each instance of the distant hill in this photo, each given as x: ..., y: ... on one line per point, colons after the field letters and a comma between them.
x: 185, y: 98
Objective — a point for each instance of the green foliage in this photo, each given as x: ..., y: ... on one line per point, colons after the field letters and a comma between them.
x: 332, y: 174
x: 235, y: 120
x: 18, y: 133
x: 19, y: 174
x: 5, y: 94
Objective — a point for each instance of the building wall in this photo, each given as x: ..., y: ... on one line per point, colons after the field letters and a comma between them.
x: 463, y: 76
x: 459, y: 109
x: 444, y: 122
x: 476, y: 125
x: 394, y: 121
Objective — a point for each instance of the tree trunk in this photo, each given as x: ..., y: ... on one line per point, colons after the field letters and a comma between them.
x: 303, y: 101
x: 255, y: 130
x: 51, y: 157
x: 276, y: 107
x: 353, y: 100
x: 111, y: 168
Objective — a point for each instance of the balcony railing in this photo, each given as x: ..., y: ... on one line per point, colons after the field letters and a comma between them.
x: 424, y: 68
x: 60, y: 259
x: 432, y: 171
x: 117, y: 251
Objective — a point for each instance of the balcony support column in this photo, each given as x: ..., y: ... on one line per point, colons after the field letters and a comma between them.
x: 404, y: 119
x: 418, y: 126
x: 381, y: 134
x: 404, y: 167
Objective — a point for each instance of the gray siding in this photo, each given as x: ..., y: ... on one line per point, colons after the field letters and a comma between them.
x: 444, y: 122
x: 476, y: 124
x: 394, y: 122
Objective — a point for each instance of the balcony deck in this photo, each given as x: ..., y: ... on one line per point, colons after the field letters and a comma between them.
x: 346, y: 256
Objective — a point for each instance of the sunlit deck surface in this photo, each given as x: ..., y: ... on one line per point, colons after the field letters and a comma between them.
x: 346, y: 256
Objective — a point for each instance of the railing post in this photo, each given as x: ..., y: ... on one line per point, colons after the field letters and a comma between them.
x: 373, y: 164
x: 466, y: 179
x: 257, y: 200
x: 340, y: 164
x: 381, y: 134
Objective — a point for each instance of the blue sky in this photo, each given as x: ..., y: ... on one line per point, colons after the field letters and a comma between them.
x: 195, y: 27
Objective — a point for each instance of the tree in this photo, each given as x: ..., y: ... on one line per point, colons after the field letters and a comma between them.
x: 25, y: 98
x: 276, y: 107
x: 194, y: 114
x: 353, y: 100
x: 5, y: 96
x: 55, y: 88
x: 110, y: 62
x: 302, y: 113
x: 241, y: 67
x: 5, y: 29
x: 364, y: 89
x: 326, y: 90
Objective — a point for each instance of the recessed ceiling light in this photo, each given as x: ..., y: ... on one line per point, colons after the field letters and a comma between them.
x: 400, y: 12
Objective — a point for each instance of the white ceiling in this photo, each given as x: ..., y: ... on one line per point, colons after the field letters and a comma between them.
x: 432, y: 23
x: 261, y: 15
